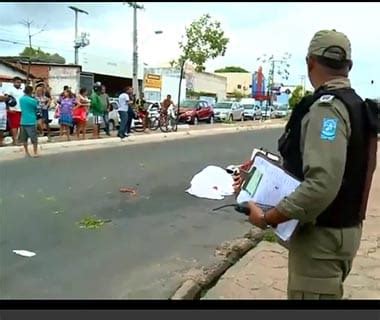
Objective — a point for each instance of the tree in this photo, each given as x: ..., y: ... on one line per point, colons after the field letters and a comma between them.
x: 204, y: 40
x: 238, y: 95
x: 38, y: 54
x: 297, y: 96
x: 231, y: 69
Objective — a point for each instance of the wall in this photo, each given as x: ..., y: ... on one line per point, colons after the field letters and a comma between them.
x: 235, y: 79
x: 170, y: 85
x: 109, y: 66
x: 7, y: 73
x: 208, y: 82
x: 38, y: 71
x: 59, y: 76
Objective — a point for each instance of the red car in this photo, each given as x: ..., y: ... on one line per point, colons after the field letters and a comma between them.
x: 193, y: 111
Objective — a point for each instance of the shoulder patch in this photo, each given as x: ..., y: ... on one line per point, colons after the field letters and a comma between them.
x: 329, y: 127
x: 326, y: 98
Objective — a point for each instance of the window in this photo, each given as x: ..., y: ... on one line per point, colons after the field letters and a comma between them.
x: 239, y: 86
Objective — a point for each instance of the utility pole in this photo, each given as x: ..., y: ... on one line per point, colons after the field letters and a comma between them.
x: 77, y: 43
x: 28, y: 24
x: 283, y: 72
x: 303, y: 83
x: 135, y: 81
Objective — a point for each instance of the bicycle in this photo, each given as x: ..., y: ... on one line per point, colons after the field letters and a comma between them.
x: 153, y: 122
x: 168, y: 120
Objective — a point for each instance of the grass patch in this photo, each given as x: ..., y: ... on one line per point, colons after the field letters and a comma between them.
x: 50, y: 199
x: 91, y: 222
x: 270, y: 236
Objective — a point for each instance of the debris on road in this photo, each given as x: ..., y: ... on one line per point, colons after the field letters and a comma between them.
x: 132, y: 191
x: 24, y: 253
x: 92, y: 223
x: 50, y: 199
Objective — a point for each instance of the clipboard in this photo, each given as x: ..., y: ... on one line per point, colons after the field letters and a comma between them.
x: 271, y: 183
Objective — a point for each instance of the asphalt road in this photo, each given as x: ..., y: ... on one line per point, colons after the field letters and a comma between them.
x: 152, y: 239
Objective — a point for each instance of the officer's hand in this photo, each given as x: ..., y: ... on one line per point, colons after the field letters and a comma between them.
x: 256, y: 216
x: 238, y: 181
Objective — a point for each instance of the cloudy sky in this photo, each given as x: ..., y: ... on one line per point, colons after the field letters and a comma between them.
x: 254, y: 29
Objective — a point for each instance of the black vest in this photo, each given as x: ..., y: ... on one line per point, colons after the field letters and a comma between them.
x: 344, y: 211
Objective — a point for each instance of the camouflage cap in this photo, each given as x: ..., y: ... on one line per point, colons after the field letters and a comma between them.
x: 330, y: 44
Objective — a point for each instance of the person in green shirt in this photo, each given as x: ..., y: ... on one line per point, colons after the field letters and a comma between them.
x: 96, y: 108
x: 28, y: 107
x: 106, y: 107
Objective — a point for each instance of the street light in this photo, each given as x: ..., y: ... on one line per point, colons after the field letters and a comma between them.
x: 77, y: 44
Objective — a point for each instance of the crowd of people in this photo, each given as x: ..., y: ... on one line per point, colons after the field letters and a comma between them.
x: 24, y: 113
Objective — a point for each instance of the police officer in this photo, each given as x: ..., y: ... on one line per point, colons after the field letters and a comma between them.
x: 325, y: 146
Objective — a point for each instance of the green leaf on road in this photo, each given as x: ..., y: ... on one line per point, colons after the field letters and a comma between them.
x: 91, y: 222
x: 50, y: 199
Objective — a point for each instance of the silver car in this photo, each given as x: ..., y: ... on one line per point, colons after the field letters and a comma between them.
x: 228, y: 110
x: 252, y: 112
x: 281, y: 111
x: 267, y: 111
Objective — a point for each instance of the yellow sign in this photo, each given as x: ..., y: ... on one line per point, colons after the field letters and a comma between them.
x: 152, y: 81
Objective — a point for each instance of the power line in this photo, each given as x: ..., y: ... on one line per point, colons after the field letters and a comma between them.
x: 37, y: 42
x: 28, y: 24
x: 40, y: 46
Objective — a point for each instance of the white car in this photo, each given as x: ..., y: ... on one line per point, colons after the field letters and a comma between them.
x: 228, y: 110
x: 252, y: 112
x: 114, y: 118
x: 113, y: 115
x: 267, y: 111
x: 281, y: 112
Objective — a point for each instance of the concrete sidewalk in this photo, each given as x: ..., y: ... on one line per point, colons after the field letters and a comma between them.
x: 16, y: 152
x: 262, y: 272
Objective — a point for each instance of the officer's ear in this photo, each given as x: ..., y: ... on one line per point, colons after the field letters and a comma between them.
x: 310, y: 62
x: 350, y: 64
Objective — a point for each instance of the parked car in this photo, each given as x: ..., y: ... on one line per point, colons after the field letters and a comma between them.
x: 193, y: 111
x: 267, y: 111
x: 281, y: 112
x: 252, y: 112
x: 229, y: 110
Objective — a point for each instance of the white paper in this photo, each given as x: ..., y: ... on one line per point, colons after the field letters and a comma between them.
x: 274, y: 186
x: 24, y: 253
x: 211, y: 183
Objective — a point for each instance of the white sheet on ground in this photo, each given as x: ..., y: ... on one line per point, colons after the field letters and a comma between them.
x: 211, y: 183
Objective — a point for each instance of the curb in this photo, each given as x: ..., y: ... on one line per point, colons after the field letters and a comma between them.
x: 198, y: 280
x: 13, y: 152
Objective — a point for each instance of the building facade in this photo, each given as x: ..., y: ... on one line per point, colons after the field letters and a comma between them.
x: 206, y: 84
x: 237, y: 82
x: 9, y: 71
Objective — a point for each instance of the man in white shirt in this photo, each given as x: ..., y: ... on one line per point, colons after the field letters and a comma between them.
x: 3, y: 114
x: 14, y: 113
x: 124, y: 103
